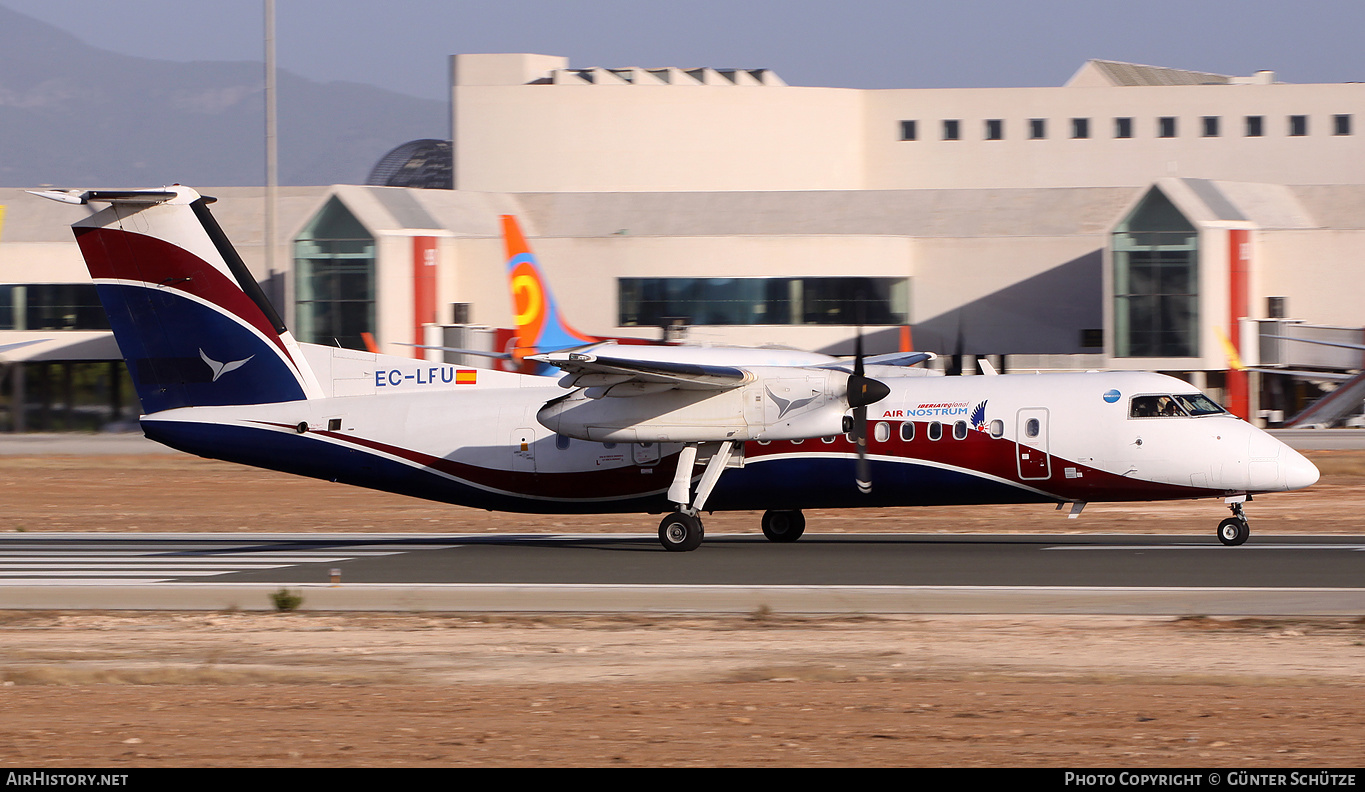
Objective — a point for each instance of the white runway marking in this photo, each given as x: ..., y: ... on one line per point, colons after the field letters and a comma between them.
x: 46, y: 563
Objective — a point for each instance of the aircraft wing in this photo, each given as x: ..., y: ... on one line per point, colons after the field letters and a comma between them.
x: 587, y: 370
x: 899, y: 359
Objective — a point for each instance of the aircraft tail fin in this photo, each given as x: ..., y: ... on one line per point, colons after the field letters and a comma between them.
x: 540, y: 324
x: 191, y: 321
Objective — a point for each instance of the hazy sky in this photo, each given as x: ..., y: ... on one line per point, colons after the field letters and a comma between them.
x: 403, y: 44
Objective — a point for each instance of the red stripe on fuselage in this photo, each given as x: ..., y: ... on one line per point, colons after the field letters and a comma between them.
x: 978, y: 454
x: 602, y: 484
x: 997, y: 457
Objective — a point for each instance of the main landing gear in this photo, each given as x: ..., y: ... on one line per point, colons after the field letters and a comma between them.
x: 783, y: 526
x: 682, y: 530
x: 1235, y: 529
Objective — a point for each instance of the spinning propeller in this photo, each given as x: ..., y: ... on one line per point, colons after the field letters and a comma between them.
x: 862, y: 391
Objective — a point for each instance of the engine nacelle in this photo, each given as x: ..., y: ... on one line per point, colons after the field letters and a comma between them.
x: 778, y: 404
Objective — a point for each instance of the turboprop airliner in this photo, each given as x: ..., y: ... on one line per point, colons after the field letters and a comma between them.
x: 218, y: 375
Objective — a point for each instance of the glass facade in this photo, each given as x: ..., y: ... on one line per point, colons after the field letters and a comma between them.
x: 764, y: 301
x: 51, y: 306
x: 1156, y: 282
x: 334, y: 279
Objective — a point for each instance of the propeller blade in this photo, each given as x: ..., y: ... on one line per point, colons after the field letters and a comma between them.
x: 862, y: 391
x: 863, y: 470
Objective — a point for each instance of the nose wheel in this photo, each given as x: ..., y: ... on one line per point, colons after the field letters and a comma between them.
x: 680, y: 532
x: 1234, y: 530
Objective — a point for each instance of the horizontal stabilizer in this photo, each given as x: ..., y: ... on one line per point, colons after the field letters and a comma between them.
x: 111, y: 196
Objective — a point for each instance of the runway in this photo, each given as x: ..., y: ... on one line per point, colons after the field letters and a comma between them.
x: 1140, y: 575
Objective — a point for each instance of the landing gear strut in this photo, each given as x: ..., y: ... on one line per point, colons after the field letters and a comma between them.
x: 783, y: 526
x: 1235, y: 529
x: 682, y: 530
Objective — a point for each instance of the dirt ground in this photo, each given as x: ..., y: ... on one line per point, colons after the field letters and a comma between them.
x: 125, y: 690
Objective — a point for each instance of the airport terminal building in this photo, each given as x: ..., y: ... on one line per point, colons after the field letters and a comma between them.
x: 1135, y: 218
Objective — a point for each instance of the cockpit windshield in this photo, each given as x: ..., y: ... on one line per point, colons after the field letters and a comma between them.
x: 1198, y: 404
x: 1180, y: 405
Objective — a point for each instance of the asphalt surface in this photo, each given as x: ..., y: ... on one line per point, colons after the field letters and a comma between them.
x: 884, y: 573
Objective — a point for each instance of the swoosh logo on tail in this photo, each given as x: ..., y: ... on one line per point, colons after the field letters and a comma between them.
x: 219, y: 369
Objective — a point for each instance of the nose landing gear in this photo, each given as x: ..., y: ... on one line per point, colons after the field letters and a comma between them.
x: 1235, y: 529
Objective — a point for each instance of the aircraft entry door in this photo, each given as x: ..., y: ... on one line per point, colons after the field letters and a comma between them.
x: 1031, y: 444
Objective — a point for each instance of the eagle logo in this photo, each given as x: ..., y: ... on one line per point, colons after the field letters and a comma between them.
x: 219, y: 369
x: 978, y: 417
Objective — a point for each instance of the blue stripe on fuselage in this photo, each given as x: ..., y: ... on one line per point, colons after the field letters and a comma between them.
x: 786, y: 483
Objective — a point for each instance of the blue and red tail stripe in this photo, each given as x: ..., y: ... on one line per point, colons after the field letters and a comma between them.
x: 191, y: 334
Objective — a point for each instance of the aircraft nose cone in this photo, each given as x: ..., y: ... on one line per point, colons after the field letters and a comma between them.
x: 1298, y: 471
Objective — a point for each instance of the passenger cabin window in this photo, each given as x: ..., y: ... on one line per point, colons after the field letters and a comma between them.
x: 1173, y: 406
x: 908, y: 431
x: 935, y: 430
x: 997, y: 429
x: 960, y: 430
x: 881, y: 432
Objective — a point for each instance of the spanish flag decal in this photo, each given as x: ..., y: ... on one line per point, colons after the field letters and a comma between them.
x: 466, y: 376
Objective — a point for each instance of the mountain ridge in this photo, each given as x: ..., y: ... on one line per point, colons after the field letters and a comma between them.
x: 75, y: 115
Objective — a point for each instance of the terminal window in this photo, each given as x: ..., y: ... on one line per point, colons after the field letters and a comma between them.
x: 1341, y: 124
x: 1123, y: 127
x: 952, y: 129
x: 1156, y: 282
x: 909, y: 131
x: 660, y: 302
x: 51, y: 306
x: 1165, y: 127
x: 1255, y: 126
x: 334, y: 279
x: 1298, y: 125
x: 1037, y: 128
x: 1210, y: 126
x: 995, y: 129
x: 1080, y: 128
